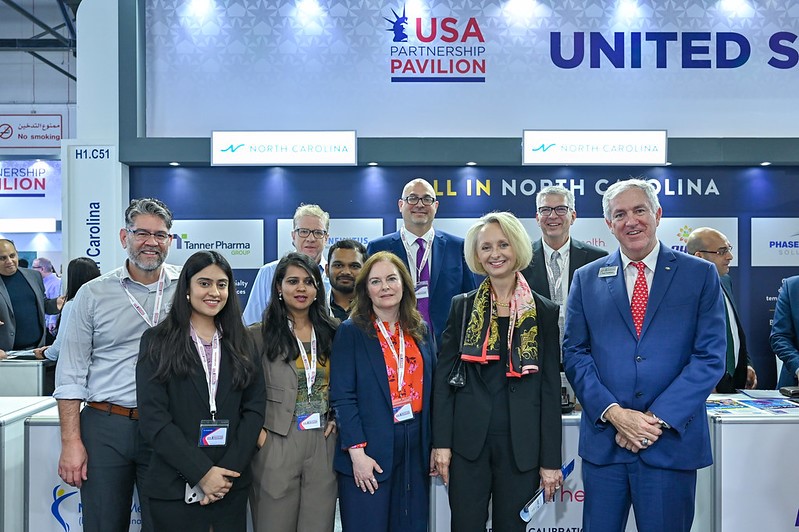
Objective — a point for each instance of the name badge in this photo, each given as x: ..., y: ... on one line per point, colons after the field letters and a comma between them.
x: 213, y: 433
x: 608, y: 271
x: 309, y: 421
x: 403, y: 413
x: 422, y: 290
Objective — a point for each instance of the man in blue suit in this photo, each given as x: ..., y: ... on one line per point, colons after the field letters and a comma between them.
x: 440, y: 254
x: 784, y: 332
x: 645, y: 344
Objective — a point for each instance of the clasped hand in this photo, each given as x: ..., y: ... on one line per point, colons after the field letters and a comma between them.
x: 635, y: 430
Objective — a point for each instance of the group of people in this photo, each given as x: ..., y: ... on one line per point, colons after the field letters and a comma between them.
x: 358, y: 376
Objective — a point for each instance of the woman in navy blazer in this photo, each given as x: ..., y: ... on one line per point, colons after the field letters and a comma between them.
x: 383, y: 412
x: 204, y: 328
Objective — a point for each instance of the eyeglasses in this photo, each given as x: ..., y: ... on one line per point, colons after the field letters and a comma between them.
x: 143, y: 236
x: 305, y: 233
x: 414, y: 200
x: 721, y: 251
x: 560, y: 210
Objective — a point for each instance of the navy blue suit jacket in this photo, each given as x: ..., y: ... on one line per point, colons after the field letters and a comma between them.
x: 359, y: 393
x: 670, y: 370
x: 784, y: 331
x: 449, y: 274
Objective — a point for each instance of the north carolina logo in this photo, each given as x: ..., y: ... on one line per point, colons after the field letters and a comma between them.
x: 543, y: 148
x: 59, y: 496
x: 232, y: 149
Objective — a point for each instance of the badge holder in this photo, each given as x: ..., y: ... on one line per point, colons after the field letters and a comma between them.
x: 213, y: 432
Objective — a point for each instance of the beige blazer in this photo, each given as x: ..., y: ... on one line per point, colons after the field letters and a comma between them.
x: 281, y: 388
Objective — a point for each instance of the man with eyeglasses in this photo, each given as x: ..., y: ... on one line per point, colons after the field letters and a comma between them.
x: 434, y: 258
x: 309, y: 236
x: 713, y: 246
x: 23, y: 303
x: 556, y: 255
x: 102, y: 452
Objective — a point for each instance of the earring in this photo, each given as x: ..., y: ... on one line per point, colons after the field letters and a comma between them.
x: 280, y: 296
x: 188, y: 297
x: 314, y: 298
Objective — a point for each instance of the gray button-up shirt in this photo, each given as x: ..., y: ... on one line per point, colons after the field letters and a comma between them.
x: 101, y: 343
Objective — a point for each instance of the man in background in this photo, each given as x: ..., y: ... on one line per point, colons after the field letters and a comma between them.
x: 712, y: 245
x: 785, y: 332
x: 52, y: 288
x: 345, y: 259
x: 556, y: 255
x: 22, y: 303
x: 309, y: 236
x: 434, y: 258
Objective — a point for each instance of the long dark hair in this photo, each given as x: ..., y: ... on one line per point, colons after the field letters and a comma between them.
x: 279, y: 341
x: 79, y: 272
x: 172, y: 345
x: 363, y: 314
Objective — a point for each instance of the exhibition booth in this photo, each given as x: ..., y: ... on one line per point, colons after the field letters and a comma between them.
x: 158, y: 78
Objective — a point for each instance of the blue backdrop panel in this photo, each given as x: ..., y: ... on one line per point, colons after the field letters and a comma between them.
x: 372, y: 192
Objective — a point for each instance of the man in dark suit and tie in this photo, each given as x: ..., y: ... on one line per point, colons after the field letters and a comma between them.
x: 644, y: 346
x: 437, y: 264
x: 556, y: 255
x: 712, y: 245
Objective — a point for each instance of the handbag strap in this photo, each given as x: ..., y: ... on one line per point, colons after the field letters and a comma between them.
x: 463, y: 320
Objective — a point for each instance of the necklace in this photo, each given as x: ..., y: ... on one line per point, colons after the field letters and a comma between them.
x: 501, y: 304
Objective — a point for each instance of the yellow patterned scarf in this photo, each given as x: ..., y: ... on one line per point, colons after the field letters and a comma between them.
x: 482, y: 342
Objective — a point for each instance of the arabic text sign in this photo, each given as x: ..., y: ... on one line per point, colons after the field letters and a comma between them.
x: 30, y: 131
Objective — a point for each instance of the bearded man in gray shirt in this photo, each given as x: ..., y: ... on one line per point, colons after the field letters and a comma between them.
x: 102, y: 452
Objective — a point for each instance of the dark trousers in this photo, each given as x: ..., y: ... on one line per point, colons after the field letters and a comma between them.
x: 662, y: 499
x: 401, y: 503
x: 227, y: 515
x: 118, y: 459
x: 492, y: 475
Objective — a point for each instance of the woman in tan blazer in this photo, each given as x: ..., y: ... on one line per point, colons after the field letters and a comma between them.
x: 294, y: 486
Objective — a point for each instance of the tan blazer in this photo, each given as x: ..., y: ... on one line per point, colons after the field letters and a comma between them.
x: 281, y: 388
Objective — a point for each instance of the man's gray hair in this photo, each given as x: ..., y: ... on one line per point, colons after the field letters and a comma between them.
x: 149, y: 206
x: 555, y: 190
x: 622, y: 186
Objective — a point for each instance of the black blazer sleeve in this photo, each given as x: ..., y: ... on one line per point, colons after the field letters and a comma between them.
x: 252, y: 409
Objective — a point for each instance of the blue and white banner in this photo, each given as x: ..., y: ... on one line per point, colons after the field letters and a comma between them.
x: 419, y: 68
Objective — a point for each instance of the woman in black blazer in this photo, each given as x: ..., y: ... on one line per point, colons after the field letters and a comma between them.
x: 201, y: 403
x: 500, y: 433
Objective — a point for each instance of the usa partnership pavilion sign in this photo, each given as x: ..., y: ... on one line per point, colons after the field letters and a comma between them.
x: 473, y: 69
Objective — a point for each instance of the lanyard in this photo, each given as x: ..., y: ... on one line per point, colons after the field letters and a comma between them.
x: 399, y: 358
x: 309, y: 365
x: 212, y: 375
x: 159, y: 295
x: 409, y: 252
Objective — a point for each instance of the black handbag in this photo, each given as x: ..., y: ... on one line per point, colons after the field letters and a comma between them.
x: 457, y: 375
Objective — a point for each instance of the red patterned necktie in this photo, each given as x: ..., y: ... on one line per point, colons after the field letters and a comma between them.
x: 640, y: 296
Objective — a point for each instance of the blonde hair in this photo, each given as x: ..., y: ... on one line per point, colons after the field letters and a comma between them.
x: 515, y: 233
x: 311, y: 210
